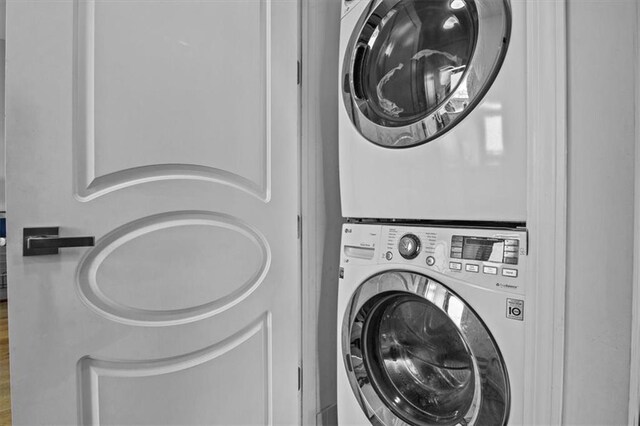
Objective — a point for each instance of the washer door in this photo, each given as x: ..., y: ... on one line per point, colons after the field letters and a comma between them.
x: 414, y: 68
x: 416, y: 354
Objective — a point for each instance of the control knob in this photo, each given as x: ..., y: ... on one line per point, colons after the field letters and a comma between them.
x: 409, y: 246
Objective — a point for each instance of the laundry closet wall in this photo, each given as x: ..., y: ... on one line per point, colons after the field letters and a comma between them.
x: 601, y: 139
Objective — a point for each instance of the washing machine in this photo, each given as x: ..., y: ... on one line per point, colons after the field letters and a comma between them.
x: 431, y: 325
x: 433, y: 106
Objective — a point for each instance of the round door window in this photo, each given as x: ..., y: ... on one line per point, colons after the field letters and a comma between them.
x: 414, y: 68
x: 416, y: 354
x: 418, y: 361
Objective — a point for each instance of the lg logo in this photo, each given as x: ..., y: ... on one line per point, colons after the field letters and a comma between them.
x: 348, y: 230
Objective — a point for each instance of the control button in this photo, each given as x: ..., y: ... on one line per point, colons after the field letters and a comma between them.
x: 511, y: 260
x: 431, y: 261
x: 511, y: 249
x: 510, y: 272
x: 511, y: 254
x: 389, y: 255
x: 456, y: 240
x: 511, y: 242
x: 455, y: 266
x: 490, y: 270
x: 409, y: 246
x: 472, y: 268
x: 456, y: 255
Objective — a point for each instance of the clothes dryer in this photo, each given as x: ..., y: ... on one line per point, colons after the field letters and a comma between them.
x: 431, y: 326
x: 432, y: 106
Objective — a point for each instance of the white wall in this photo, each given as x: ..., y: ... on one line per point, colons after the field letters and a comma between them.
x: 3, y: 8
x: 600, y: 210
x: 3, y: 13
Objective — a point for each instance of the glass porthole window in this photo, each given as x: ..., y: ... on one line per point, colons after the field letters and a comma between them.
x: 419, y: 361
x: 416, y: 354
x: 414, y: 68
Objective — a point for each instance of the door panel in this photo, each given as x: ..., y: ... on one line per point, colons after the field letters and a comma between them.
x: 122, y: 392
x: 413, y: 70
x: 184, y: 311
x: 416, y: 353
x: 165, y: 90
x: 121, y: 279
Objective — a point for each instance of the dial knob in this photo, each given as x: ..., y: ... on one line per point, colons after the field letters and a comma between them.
x: 409, y: 246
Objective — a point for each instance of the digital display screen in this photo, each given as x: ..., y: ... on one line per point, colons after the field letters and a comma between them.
x: 483, y: 249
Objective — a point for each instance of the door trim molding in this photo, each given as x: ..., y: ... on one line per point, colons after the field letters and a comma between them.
x: 310, y: 273
x: 320, y: 208
x: 547, y: 209
x: 634, y: 368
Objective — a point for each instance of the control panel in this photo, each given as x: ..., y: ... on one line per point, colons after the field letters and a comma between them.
x: 492, y: 258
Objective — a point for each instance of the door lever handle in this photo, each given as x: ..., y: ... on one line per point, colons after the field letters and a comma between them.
x: 43, y: 241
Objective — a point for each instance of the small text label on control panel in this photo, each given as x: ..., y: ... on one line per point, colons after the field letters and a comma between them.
x: 472, y: 268
x: 492, y: 270
x: 510, y: 272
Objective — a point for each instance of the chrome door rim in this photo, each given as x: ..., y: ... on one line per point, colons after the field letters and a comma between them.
x: 492, y: 369
x: 436, y: 122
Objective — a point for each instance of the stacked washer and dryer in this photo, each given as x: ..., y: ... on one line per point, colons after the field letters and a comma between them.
x: 431, y: 300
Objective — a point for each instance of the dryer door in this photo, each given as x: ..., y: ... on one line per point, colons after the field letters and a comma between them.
x: 416, y: 354
x: 414, y: 68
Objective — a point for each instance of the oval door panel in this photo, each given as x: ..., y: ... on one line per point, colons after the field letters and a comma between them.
x: 413, y: 69
x: 173, y: 268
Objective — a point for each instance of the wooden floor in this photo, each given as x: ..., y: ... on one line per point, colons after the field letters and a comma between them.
x: 5, y: 395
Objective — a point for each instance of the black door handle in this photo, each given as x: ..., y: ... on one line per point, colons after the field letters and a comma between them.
x: 42, y: 241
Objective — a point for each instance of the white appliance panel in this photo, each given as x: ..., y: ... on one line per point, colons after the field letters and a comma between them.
x: 490, y: 302
x: 475, y: 171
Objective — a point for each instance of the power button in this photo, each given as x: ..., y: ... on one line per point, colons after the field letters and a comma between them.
x: 431, y: 261
x: 389, y: 255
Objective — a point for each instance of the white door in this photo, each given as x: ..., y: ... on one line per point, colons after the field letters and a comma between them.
x: 167, y: 129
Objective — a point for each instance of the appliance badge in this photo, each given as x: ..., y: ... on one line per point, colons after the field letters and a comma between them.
x: 348, y: 230
x: 515, y: 309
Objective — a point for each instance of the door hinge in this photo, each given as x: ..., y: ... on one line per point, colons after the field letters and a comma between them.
x: 299, y: 378
x: 299, y: 72
x: 299, y: 227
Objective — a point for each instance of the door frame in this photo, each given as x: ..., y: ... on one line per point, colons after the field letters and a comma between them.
x: 546, y: 200
x: 634, y: 368
x: 320, y: 207
x: 546, y: 209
